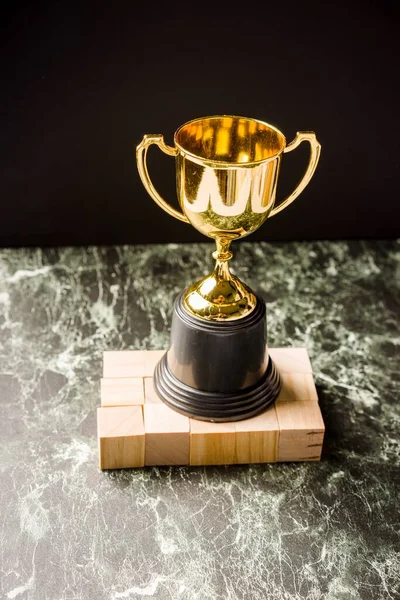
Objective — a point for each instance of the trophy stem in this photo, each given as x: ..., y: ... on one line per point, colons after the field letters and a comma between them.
x: 220, y: 296
x: 222, y: 253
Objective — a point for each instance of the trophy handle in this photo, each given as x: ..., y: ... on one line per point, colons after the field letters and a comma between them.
x: 301, y: 136
x: 141, y: 155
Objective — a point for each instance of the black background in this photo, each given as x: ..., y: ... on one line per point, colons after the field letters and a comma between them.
x: 82, y: 84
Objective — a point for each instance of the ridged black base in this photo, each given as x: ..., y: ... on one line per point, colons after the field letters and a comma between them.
x: 216, y: 406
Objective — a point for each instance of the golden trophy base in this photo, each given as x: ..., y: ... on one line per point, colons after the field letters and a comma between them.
x: 219, y: 296
x: 136, y: 429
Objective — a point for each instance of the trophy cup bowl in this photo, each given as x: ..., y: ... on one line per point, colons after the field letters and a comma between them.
x: 217, y: 367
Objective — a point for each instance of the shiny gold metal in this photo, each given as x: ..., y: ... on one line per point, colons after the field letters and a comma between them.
x: 141, y: 154
x: 227, y: 169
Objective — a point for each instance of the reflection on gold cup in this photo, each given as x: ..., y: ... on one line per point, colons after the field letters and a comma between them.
x: 227, y: 170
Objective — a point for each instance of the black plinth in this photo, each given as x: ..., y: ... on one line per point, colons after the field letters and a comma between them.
x: 217, y: 371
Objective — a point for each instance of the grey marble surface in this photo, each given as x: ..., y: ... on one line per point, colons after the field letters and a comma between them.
x: 326, y: 530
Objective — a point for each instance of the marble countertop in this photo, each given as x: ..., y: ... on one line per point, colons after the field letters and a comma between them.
x: 326, y: 530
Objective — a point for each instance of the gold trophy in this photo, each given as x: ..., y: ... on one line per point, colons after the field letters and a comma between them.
x: 217, y: 367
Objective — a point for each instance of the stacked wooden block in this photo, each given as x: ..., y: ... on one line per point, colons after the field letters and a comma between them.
x: 136, y: 429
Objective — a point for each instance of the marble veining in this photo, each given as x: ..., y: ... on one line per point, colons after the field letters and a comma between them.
x: 314, y: 531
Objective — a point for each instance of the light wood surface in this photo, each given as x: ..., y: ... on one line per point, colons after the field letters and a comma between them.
x: 151, y: 360
x: 301, y: 430
x: 153, y: 434
x: 297, y: 386
x: 150, y: 394
x: 212, y: 443
x: 122, y: 391
x: 291, y: 360
x: 120, y: 431
x: 124, y: 363
x: 130, y: 363
x: 167, y: 436
x: 257, y: 438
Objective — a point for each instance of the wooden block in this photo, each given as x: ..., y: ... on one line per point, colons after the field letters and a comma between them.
x: 257, y: 438
x: 212, y: 443
x: 292, y: 430
x: 150, y: 394
x: 124, y: 363
x: 120, y: 432
x: 291, y: 360
x: 122, y: 391
x: 301, y: 430
x: 297, y: 386
x: 166, y: 436
x: 151, y: 360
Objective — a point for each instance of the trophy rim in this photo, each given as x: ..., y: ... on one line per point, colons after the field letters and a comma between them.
x: 223, y: 163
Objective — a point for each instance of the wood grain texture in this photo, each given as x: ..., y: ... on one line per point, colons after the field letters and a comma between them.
x: 166, y: 436
x: 151, y: 359
x: 212, y: 443
x: 120, y: 432
x: 297, y: 386
x: 291, y: 360
x: 124, y: 363
x: 150, y: 394
x: 301, y: 430
x: 257, y: 438
x: 122, y: 391
x: 291, y: 430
